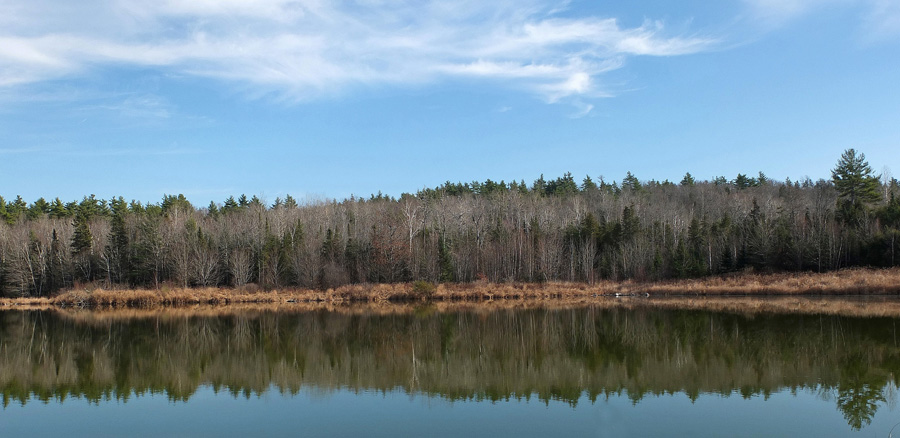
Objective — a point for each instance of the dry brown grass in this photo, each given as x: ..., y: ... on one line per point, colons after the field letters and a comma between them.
x: 845, y: 282
x: 749, y: 306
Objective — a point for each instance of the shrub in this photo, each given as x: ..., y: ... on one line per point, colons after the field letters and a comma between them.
x: 424, y: 289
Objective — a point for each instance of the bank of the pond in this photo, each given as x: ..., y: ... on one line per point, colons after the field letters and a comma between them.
x: 845, y: 282
x: 846, y: 306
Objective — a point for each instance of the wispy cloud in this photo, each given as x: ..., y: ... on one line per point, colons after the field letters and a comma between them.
x: 879, y: 19
x: 135, y: 106
x: 309, y: 48
x: 583, y: 109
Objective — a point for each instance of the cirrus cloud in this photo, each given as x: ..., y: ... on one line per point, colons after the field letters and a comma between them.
x: 304, y: 49
x: 879, y: 19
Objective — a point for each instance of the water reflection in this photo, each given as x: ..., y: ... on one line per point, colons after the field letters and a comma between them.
x: 568, y: 355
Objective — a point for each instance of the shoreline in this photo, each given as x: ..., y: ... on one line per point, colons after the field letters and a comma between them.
x: 880, y: 306
x: 740, y: 292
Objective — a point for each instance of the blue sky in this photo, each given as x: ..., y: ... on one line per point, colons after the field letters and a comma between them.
x: 326, y: 99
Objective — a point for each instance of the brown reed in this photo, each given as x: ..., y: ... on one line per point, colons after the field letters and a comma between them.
x: 845, y: 282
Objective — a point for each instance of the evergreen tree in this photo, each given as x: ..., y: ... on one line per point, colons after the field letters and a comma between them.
x: 445, y: 261
x: 38, y: 208
x: 82, y: 241
x: 172, y: 202
x: 14, y: 209
x: 539, y: 186
x: 55, y: 268
x: 230, y: 205
x: 81, y: 238
x: 58, y: 210
x: 212, y: 210
x: 855, y: 181
x: 588, y: 185
x: 117, y: 247
x: 630, y: 182
x: 90, y: 206
x: 4, y: 215
x: 743, y: 181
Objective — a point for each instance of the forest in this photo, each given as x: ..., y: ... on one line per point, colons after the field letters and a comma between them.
x: 551, y: 230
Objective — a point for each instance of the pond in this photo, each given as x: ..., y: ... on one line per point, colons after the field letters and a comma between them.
x: 370, y: 372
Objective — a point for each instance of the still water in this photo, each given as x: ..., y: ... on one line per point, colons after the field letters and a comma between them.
x: 519, y: 373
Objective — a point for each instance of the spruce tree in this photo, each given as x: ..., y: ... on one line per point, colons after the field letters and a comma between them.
x: 117, y: 246
x: 445, y: 261
x: 81, y: 238
x: 81, y: 246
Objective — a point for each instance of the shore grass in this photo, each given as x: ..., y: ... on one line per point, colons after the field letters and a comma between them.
x: 864, y: 282
x: 848, y: 306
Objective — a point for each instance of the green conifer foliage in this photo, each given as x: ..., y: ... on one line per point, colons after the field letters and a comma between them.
x: 630, y: 182
x: 82, y: 242
x: 117, y: 248
x: 81, y: 239
x: 445, y: 261
x: 588, y: 185
x: 855, y: 180
x: 58, y: 210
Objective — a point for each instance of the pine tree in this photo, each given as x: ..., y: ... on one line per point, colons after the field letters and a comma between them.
x: 743, y: 181
x: 213, y: 210
x: 4, y: 215
x: 14, y: 209
x: 854, y: 179
x: 539, y: 185
x: 230, y: 205
x: 630, y: 182
x: 58, y: 209
x: 38, y: 209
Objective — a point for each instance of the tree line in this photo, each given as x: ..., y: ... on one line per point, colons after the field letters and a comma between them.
x: 552, y: 230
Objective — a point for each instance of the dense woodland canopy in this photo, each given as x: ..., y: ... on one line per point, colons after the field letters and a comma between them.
x: 556, y: 229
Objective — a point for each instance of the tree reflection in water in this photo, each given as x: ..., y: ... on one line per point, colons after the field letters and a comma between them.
x: 548, y: 354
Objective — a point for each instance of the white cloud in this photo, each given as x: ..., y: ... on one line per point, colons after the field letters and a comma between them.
x: 880, y: 18
x: 305, y: 48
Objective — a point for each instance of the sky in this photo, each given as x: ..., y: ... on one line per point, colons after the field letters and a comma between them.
x: 327, y: 99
